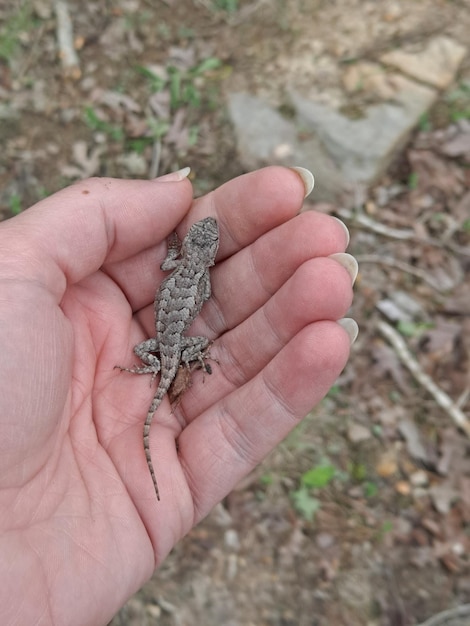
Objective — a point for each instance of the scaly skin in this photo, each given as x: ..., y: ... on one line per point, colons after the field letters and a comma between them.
x: 177, y: 303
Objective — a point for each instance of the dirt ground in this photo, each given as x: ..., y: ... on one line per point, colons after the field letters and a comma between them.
x: 362, y: 516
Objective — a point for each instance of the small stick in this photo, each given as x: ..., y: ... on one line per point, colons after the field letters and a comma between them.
x: 404, y: 234
x: 404, y: 267
x: 67, y: 54
x: 440, y: 396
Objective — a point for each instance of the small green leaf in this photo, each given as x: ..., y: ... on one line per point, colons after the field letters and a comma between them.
x: 266, y: 479
x: 413, y: 181
x: 334, y: 391
x: 305, y: 503
x: 15, y: 204
x: 424, y: 123
x: 370, y: 489
x: 319, y: 476
x: 413, y: 329
x: 211, y: 63
x: 358, y: 472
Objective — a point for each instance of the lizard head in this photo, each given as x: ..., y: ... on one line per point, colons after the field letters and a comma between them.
x: 203, y: 240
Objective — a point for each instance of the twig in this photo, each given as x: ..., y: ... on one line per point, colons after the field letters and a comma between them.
x: 404, y: 234
x: 404, y: 267
x: 68, y: 56
x: 463, y: 397
x: 382, y: 229
x: 447, y: 618
x: 405, y: 356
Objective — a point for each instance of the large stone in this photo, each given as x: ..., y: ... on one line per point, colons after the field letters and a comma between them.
x: 344, y: 152
x: 265, y: 137
x: 362, y: 148
x: 435, y: 64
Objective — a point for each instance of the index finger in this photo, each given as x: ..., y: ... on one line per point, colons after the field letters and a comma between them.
x: 252, y: 204
x: 75, y: 231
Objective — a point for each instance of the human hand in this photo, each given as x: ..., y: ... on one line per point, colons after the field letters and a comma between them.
x: 81, y: 528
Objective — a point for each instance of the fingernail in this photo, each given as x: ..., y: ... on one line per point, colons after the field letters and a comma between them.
x: 348, y: 262
x: 344, y: 226
x: 174, y: 176
x: 307, y: 179
x: 351, y: 327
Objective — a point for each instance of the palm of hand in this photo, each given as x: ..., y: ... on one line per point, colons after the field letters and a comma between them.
x: 77, y: 500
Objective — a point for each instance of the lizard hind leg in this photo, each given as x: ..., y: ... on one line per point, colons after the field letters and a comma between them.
x: 144, y: 351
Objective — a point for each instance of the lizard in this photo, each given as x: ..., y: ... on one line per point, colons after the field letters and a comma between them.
x: 178, y: 301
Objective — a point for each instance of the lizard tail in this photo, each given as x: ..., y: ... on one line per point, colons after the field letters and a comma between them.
x: 165, y: 382
x: 147, y: 454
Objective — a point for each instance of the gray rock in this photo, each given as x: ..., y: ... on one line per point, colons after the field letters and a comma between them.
x: 345, y: 153
x: 363, y: 148
x: 265, y: 137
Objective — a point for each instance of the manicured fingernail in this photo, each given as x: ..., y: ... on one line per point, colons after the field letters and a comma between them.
x: 348, y: 262
x: 344, y: 226
x: 307, y: 179
x: 351, y: 327
x: 173, y: 177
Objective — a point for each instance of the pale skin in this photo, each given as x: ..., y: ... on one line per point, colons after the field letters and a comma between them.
x: 81, y: 529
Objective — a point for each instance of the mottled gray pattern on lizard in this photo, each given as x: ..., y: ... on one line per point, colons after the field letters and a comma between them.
x: 177, y: 302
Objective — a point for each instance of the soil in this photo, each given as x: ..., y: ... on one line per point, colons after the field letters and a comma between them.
x: 362, y: 516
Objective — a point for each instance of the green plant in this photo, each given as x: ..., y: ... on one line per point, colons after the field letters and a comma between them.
x: 184, y: 89
x: 158, y: 128
x: 370, y: 489
x: 386, y: 528
x: 424, y: 123
x: 230, y: 6
x: 358, y: 472
x: 316, y: 478
x: 19, y: 22
x: 15, y: 203
x: 266, y: 479
x: 183, y: 85
x: 97, y: 124
x: 157, y: 83
x: 413, y: 329
x: 458, y: 101
x: 334, y: 392
x: 305, y: 503
x: 413, y: 180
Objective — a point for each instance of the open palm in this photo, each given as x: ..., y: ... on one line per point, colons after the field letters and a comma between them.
x: 80, y: 526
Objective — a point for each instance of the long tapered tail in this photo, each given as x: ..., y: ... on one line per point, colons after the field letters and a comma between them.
x: 147, y: 453
x: 160, y: 394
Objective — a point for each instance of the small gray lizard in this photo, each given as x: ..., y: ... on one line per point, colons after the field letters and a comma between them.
x: 178, y: 301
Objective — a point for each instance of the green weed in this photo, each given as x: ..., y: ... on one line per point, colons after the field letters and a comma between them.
x: 413, y: 329
x: 183, y: 85
x: 458, y: 101
x: 229, y: 6
x: 97, y: 124
x: 316, y: 478
x: 20, y: 21
x: 15, y: 204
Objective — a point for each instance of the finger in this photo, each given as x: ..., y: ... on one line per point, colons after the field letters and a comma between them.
x: 246, y: 280
x: 95, y: 221
x: 245, y: 207
x: 321, y: 290
x: 227, y: 441
x: 250, y: 205
x: 256, y: 271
